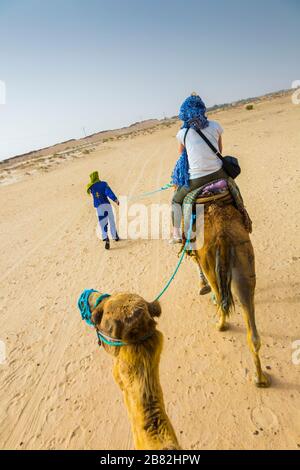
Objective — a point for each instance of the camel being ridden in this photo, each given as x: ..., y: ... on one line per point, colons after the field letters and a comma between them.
x: 227, y: 259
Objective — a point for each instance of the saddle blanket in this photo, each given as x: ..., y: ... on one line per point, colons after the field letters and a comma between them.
x: 216, y: 188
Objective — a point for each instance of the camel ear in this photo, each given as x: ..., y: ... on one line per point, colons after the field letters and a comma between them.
x: 97, y: 313
x: 154, y: 308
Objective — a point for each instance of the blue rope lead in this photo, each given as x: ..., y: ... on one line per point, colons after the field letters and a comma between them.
x: 140, y: 196
x: 193, y: 217
x: 83, y: 301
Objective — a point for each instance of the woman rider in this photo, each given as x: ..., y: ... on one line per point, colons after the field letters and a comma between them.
x: 203, y: 164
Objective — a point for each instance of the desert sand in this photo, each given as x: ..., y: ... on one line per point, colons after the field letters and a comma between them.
x: 56, y: 387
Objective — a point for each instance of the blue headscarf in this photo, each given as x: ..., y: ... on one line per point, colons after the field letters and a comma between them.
x: 193, y: 114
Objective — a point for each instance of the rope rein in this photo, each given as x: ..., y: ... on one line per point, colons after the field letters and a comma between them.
x: 86, y: 314
x: 142, y: 195
x: 83, y: 301
x: 188, y: 241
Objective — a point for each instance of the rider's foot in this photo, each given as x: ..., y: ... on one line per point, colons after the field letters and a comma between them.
x: 205, y: 289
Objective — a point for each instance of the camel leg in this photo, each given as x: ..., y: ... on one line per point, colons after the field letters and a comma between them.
x: 222, y: 324
x: 204, y: 285
x: 244, y: 287
x: 209, y: 273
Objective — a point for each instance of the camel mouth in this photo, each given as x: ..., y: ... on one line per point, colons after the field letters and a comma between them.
x: 117, y: 342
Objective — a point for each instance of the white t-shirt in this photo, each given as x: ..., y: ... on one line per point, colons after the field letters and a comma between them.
x: 202, y: 160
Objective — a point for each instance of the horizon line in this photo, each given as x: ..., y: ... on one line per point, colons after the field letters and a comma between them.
x: 209, y: 109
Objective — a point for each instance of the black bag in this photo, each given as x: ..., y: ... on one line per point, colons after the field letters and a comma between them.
x: 230, y: 164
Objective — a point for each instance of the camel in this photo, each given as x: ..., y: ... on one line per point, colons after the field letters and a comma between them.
x: 227, y: 258
x: 130, y: 318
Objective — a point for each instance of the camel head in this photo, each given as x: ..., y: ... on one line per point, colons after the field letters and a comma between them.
x: 126, y: 317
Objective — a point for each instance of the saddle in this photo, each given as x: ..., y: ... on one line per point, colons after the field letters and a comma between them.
x: 215, y: 191
x: 221, y: 192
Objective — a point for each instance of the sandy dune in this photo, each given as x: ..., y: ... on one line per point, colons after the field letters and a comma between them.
x: 56, y: 388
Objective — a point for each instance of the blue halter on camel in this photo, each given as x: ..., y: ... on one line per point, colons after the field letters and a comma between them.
x: 86, y: 314
x: 193, y: 114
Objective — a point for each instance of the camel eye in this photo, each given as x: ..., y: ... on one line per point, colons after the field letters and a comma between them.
x: 137, y: 311
x: 135, y: 315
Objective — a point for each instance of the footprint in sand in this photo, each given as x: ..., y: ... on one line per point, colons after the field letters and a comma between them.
x: 265, y: 418
x: 69, y: 368
x: 13, y: 406
x: 77, y: 434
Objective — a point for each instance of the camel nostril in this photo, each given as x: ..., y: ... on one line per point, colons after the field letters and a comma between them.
x: 134, y: 332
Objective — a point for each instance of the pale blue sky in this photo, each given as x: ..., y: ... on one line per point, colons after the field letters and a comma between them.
x: 106, y: 64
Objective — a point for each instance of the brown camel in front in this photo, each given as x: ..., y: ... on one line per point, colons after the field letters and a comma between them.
x: 130, y: 318
x: 227, y: 257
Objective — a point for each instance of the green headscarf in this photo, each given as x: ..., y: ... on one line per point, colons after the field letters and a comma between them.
x: 94, y: 177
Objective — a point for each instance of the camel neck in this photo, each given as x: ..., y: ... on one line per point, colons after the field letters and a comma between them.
x: 139, y: 381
